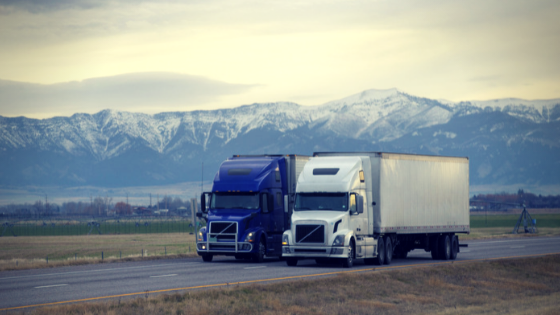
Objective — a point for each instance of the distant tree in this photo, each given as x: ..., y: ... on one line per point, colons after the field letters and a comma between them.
x: 123, y: 208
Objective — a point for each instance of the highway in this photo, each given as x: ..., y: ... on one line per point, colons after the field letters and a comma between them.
x: 39, y: 287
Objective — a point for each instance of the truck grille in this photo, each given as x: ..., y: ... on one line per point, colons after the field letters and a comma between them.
x: 223, y: 227
x: 310, y: 233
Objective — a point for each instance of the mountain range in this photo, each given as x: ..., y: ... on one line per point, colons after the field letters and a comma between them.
x: 508, y: 141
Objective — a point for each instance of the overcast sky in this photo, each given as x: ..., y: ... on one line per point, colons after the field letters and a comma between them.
x: 60, y: 57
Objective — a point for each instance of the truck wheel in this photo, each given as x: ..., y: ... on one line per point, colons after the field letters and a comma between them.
x: 434, y: 247
x: 349, y: 261
x: 388, y: 250
x: 207, y: 257
x: 259, y: 256
x: 291, y: 261
x: 380, y: 252
x: 454, y: 247
x: 444, y: 247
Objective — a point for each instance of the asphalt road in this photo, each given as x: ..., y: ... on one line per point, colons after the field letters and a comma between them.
x: 30, y: 288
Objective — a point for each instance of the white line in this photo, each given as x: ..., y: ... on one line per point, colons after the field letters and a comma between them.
x: 163, y: 276
x: 50, y: 286
x: 98, y: 270
x: 255, y: 267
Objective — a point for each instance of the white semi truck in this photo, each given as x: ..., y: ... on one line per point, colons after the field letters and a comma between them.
x: 376, y: 206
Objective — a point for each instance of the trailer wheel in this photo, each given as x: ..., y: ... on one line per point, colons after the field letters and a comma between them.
x: 434, y: 247
x: 388, y: 250
x: 259, y: 256
x: 444, y: 243
x: 207, y: 257
x: 454, y: 247
x: 291, y: 261
x: 380, y: 252
x: 349, y: 261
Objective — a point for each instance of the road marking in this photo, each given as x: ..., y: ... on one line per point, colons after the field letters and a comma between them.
x: 50, y: 286
x: 163, y: 276
x: 97, y: 270
x: 273, y: 279
x: 255, y: 267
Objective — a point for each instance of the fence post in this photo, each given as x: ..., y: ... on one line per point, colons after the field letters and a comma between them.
x: 101, y: 256
x: 47, y: 259
x: 75, y: 256
x: 165, y: 247
x: 142, y: 252
x: 120, y: 254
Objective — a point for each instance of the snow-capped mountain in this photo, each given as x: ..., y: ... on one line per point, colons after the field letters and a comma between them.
x: 113, y: 148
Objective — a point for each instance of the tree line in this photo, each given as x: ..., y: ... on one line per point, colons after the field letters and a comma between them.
x: 520, y: 198
x: 97, y: 206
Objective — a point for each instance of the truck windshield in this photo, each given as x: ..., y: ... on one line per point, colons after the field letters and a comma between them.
x: 321, y: 201
x: 234, y: 201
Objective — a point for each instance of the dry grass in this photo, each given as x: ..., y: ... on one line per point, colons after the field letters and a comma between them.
x: 501, y: 232
x: 521, y: 286
x: 27, y: 252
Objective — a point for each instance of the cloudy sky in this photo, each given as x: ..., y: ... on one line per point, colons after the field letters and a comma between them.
x: 59, y: 57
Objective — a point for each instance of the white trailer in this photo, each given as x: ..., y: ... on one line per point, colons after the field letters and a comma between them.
x: 373, y: 205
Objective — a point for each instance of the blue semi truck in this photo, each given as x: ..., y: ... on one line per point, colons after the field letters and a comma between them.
x: 249, y: 207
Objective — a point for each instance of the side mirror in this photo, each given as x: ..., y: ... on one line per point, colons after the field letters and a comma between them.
x: 199, y: 215
x: 203, y: 207
x: 267, y: 203
x: 360, y: 204
x: 286, y: 204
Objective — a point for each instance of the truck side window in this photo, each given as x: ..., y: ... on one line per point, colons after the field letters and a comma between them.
x: 264, y: 203
x: 352, y: 203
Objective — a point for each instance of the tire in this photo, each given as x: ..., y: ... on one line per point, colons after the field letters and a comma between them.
x: 434, y: 247
x: 454, y: 247
x: 388, y: 250
x: 444, y: 244
x: 207, y: 257
x: 259, y: 256
x: 349, y: 261
x: 380, y: 252
x: 291, y: 261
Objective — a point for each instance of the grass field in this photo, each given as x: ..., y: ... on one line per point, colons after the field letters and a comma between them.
x: 512, y: 286
x: 32, y: 251
x: 104, y: 226
x: 509, y: 220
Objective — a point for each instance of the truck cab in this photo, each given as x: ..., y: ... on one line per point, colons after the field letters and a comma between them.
x: 328, y: 217
x: 246, y: 211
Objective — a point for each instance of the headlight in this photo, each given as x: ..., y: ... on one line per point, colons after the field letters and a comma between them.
x: 285, y: 239
x: 338, y: 241
x: 250, y: 237
x: 200, y: 236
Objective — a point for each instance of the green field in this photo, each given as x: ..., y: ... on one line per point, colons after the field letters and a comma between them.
x: 509, y: 220
x: 104, y: 227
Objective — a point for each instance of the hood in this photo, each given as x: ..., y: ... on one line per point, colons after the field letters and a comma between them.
x: 231, y: 215
x: 328, y: 216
